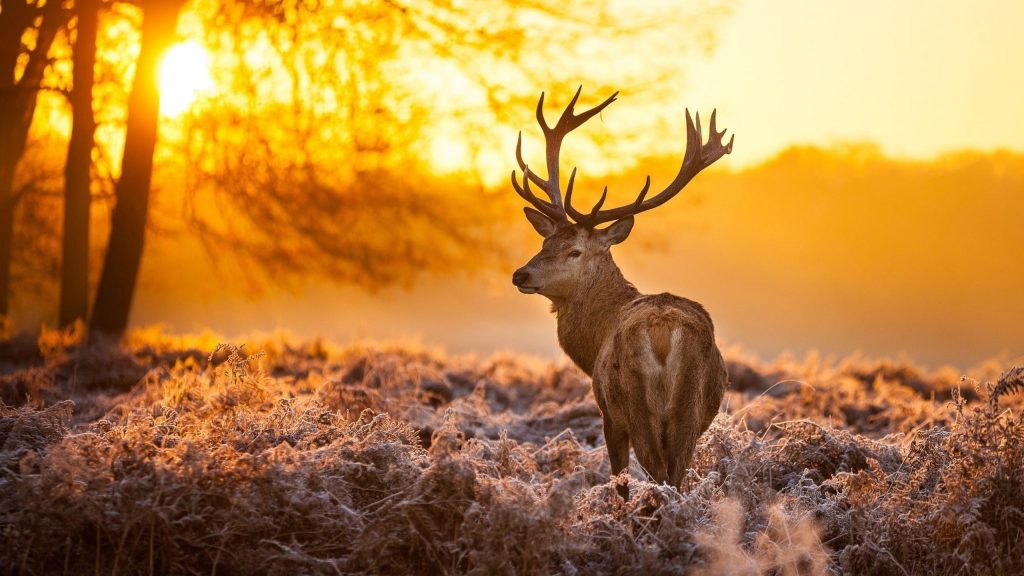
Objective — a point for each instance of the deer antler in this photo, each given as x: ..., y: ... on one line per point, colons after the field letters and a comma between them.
x: 553, y: 136
x: 698, y: 156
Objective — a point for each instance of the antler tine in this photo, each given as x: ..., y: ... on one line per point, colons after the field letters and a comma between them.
x: 591, y: 219
x: 569, y: 120
x: 575, y: 121
x: 568, y: 192
x: 522, y: 164
x: 643, y: 191
x: 553, y: 136
x: 692, y: 140
x: 700, y: 135
x: 719, y: 135
x: 567, y: 113
x: 600, y: 202
x: 525, y: 193
x: 540, y: 113
x: 697, y: 157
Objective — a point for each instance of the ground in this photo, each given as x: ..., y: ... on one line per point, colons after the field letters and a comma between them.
x: 175, y: 455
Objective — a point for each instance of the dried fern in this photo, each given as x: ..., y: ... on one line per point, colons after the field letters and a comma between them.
x: 1009, y: 382
x: 397, y: 460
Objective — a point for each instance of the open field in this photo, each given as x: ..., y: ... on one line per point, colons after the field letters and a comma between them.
x: 358, y: 173
x: 174, y: 455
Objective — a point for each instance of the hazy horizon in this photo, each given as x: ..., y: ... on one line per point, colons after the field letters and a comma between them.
x: 904, y: 274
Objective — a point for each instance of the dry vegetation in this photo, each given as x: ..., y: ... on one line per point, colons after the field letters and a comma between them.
x: 174, y: 455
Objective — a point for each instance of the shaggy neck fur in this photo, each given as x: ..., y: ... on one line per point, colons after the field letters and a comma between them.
x: 591, y: 312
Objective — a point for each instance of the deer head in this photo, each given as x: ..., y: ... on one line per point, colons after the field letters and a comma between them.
x: 574, y: 248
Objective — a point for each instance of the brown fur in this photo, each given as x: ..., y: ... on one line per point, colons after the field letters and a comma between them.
x: 657, y: 374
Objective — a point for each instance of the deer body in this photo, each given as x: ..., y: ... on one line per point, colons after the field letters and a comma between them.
x: 658, y: 381
x: 657, y: 374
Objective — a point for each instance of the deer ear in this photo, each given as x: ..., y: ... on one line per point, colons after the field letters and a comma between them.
x: 542, y: 224
x: 618, y: 231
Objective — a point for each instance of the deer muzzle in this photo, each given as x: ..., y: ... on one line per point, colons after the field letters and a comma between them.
x: 522, y: 280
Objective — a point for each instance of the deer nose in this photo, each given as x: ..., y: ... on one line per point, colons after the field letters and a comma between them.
x: 520, y: 277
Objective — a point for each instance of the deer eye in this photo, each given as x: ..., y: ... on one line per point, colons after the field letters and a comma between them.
x: 575, y: 254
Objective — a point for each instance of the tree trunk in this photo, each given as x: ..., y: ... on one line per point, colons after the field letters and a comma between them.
x: 128, y: 222
x: 74, y: 280
x: 6, y: 231
x: 17, y: 106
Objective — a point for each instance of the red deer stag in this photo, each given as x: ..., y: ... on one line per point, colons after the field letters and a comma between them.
x: 658, y: 376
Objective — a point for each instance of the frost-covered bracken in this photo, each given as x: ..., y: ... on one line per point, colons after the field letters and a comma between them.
x: 174, y: 455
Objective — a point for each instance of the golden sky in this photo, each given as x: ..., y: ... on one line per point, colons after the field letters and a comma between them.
x: 919, y: 78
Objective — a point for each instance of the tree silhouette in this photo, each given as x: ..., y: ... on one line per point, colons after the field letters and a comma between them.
x: 38, y: 22
x: 74, y: 286
x: 128, y: 222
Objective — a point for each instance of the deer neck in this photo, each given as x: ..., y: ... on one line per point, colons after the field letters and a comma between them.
x: 591, y: 313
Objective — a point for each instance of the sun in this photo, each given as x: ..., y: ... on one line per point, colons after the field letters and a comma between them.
x: 184, y: 75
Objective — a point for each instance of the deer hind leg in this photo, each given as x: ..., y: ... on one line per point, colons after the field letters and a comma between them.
x: 616, y: 433
x: 649, y: 447
x: 688, y: 421
x: 681, y: 444
x: 647, y: 403
x: 617, y: 441
x: 645, y: 423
